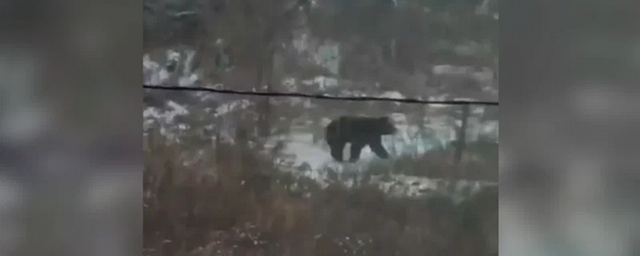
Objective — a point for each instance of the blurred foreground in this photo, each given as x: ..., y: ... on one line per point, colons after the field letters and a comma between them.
x: 245, y: 206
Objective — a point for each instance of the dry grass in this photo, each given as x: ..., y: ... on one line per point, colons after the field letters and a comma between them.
x: 241, y: 206
x: 479, y: 162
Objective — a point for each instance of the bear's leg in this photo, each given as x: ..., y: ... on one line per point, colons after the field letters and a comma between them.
x: 336, y: 151
x: 376, y: 147
x: 356, y: 148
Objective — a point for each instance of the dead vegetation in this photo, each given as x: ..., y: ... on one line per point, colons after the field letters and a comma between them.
x: 242, y: 206
x: 479, y: 162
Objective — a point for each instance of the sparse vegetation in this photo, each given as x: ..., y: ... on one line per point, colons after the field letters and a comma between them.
x: 237, y: 204
x: 479, y: 162
x: 229, y: 180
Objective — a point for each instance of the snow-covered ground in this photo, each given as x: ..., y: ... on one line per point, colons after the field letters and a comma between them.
x: 302, y: 156
x: 301, y: 151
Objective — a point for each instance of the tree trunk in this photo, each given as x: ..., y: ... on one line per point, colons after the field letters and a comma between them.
x: 459, y: 149
x: 264, y: 78
x: 265, y: 71
x: 462, y: 135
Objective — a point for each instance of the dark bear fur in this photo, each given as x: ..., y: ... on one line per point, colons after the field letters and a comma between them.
x: 360, y: 132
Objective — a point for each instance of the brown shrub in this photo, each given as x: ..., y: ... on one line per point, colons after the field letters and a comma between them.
x: 289, y: 220
x: 245, y: 207
x: 479, y: 222
x: 479, y: 162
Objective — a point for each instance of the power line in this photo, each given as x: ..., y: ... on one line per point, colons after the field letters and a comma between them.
x: 317, y: 96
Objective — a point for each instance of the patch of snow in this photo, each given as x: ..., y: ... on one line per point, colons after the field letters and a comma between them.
x: 163, y: 75
x: 308, y: 81
x: 223, y: 109
x: 290, y: 84
x: 308, y: 153
x: 325, y: 121
x: 147, y: 63
x: 464, y: 99
x: 173, y: 55
x: 352, y: 93
x: 392, y: 95
x: 188, y: 62
x: 325, y: 83
x: 328, y: 56
x: 186, y: 81
x: 466, y: 49
x: 485, y: 75
x: 398, y: 118
x: 177, y: 108
x: 439, y: 98
x: 450, y: 70
x: 477, y: 110
x: 301, y: 43
x: 321, y: 82
x: 483, y: 9
x: 152, y: 72
x: 165, y: 116
x: 490, y: 129
x: 300, y: 147
x: 151, y: 112
x: 413, y: 186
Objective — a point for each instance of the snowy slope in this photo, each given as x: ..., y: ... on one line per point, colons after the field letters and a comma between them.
x: 300, y: 152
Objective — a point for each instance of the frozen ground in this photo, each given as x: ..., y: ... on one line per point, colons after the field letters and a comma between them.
x: 302, y: 156
x: 301, y: 151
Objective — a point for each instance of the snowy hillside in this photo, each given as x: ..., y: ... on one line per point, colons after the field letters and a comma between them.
x: 174, y: 113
